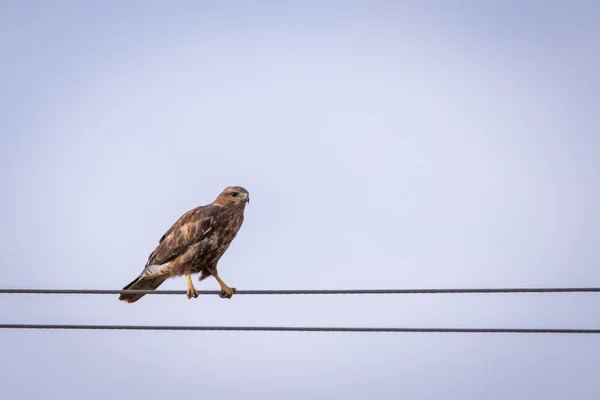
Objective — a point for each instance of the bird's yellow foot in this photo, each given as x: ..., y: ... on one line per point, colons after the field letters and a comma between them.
x: 227, y: 292
x: 191, y: 290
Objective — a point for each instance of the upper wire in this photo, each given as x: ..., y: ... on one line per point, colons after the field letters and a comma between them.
x: 311, y: 291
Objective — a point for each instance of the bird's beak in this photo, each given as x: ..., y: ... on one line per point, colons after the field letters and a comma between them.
x: 246, y: 197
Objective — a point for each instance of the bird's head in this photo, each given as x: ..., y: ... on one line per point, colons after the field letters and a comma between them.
x: 233, y: 196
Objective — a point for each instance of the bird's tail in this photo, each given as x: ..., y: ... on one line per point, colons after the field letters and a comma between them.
x: 141, y: 283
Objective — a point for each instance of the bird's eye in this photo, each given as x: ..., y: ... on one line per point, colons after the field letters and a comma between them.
x: 234, y: 194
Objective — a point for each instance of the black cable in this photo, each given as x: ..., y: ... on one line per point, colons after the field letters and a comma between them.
x: 295, y: 329
x: 323, y: 291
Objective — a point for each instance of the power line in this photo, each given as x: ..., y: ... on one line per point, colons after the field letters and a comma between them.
x: 313, y: 292
x: 297, y: 329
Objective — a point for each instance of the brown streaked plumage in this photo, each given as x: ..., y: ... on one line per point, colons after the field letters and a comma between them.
x: 194, y: 244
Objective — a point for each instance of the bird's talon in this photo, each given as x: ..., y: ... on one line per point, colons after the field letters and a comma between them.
x: 226, y: 294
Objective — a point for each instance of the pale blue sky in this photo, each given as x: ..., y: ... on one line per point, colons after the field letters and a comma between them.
x: 384, y: 145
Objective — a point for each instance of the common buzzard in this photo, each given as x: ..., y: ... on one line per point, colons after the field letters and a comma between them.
x: 194, y: 244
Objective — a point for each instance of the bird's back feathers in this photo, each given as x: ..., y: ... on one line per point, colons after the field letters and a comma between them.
x: 190, y: 228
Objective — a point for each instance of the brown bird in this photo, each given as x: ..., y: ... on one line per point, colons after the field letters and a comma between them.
x: 194, y: 244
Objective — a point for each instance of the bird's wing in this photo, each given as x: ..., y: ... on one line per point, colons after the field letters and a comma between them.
x: 190, y: 228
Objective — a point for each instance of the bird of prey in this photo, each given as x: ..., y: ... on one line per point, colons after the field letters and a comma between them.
x: 194, y: 244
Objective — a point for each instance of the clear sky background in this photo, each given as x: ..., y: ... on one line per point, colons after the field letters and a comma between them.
x: 384, y: 144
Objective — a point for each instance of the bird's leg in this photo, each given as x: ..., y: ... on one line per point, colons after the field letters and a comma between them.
x: 226, y: 291
x: 191, y: 290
